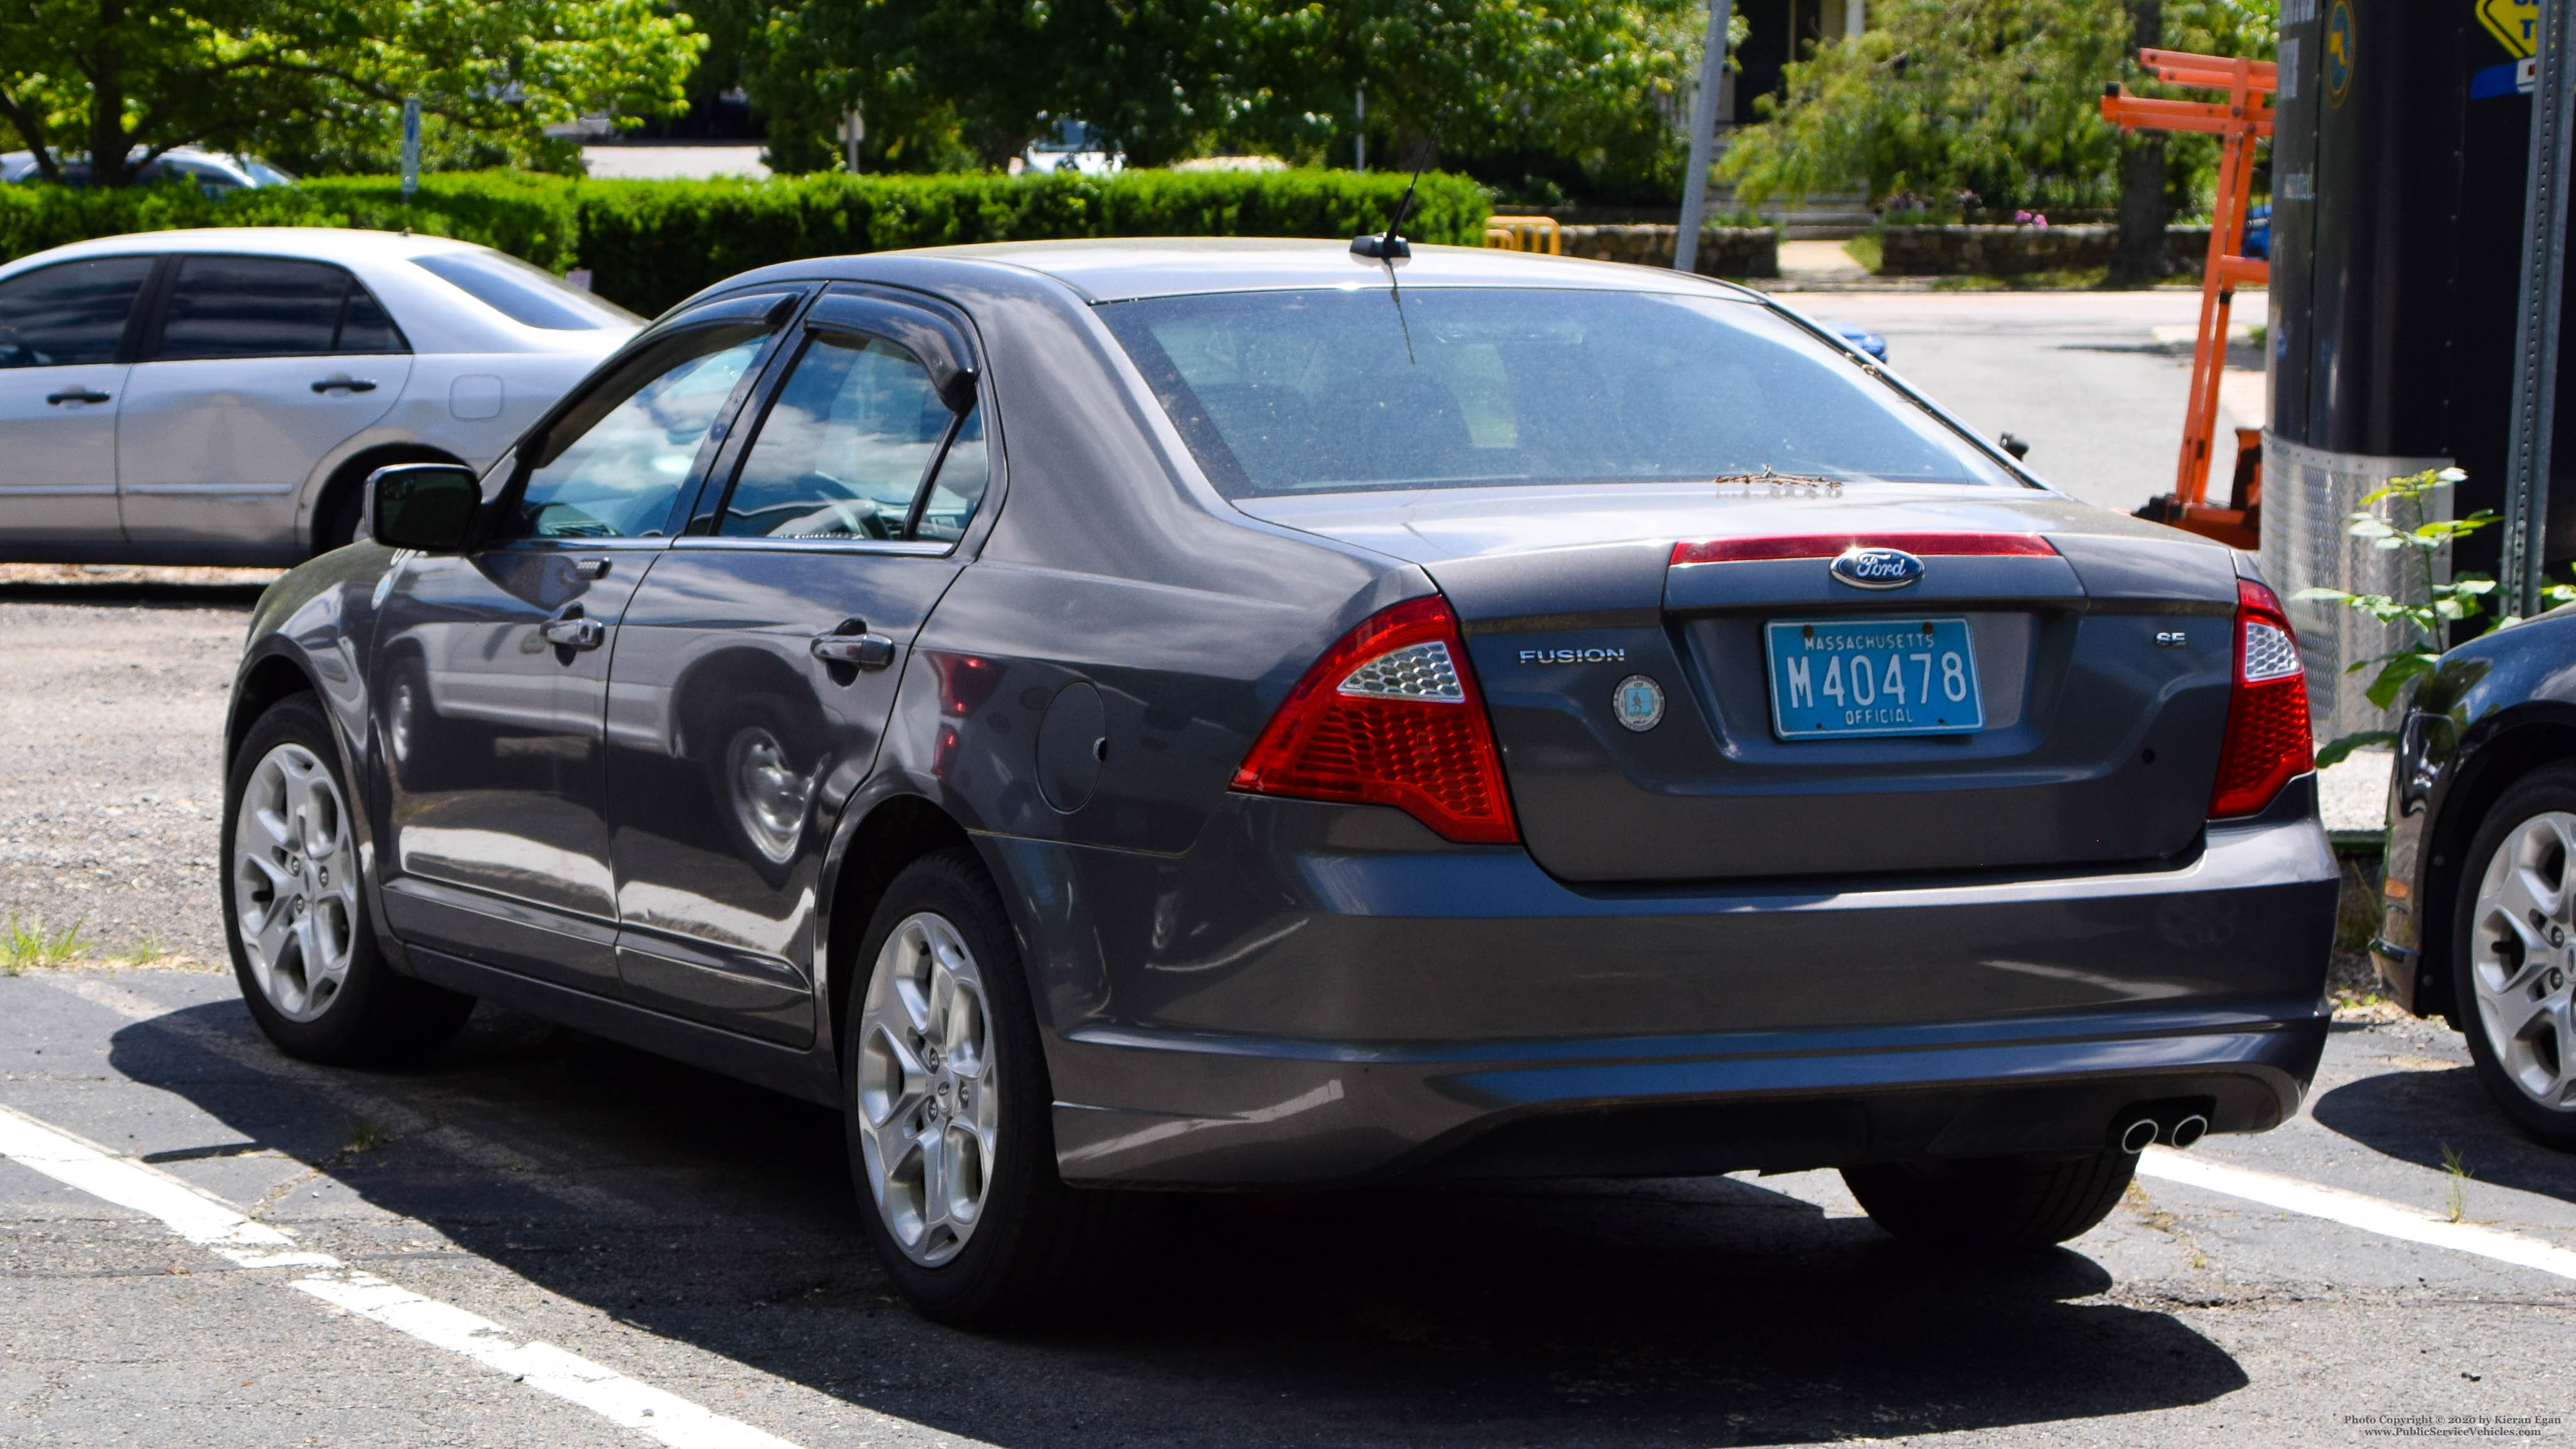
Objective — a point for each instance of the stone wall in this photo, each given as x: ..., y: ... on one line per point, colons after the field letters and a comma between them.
x: 2004, y: 251
x: 1724, y: 251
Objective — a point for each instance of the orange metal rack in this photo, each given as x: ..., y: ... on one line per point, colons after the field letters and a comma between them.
x: 2244, y: 118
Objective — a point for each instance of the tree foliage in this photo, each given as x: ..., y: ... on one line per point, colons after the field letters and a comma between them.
x: 1587, y: 88
x: 123, y: 81
x: 1996, y: 97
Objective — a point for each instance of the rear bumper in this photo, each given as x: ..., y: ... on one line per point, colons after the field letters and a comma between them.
x: 1316, y: 994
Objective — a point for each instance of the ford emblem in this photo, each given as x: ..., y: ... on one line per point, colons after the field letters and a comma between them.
x: 1877, y: 568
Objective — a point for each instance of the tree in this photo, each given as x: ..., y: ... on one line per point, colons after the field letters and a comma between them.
x: 124, y: 81
x: 1587, y: 88
x: 1996, y: 97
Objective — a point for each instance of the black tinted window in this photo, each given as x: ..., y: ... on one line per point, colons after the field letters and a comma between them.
x: 73, y: 313
x: 1293, y: 392
x: 364, y: 327
x: 253, y: 307
x: 526, y: 294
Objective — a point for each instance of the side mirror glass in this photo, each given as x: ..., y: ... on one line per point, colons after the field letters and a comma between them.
x: 424, y: 506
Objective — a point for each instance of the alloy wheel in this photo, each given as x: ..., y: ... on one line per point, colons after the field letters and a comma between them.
x: 2521, y: 961
x: 295, y: 882
x: 929, y: 1104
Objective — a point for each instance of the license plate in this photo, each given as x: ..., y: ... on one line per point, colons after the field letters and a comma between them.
x: 1841, y: 678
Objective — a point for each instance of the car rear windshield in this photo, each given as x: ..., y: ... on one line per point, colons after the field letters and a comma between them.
x: 1332, y: 391
x: 528, y: 295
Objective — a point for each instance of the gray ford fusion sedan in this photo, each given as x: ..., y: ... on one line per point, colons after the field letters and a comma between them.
x: 1241, y: 714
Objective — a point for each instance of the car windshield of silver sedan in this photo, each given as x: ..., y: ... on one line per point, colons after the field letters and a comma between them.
x: 1333, y: 391
x: 528, y: 295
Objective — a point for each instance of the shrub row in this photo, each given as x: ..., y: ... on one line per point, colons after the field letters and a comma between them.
x: 650, y: 243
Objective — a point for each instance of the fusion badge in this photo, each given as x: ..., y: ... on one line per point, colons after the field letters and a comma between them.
x: 1638, y: 703
x: 1876, y: 568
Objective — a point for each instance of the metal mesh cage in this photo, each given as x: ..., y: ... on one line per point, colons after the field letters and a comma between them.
x: 2307, y: 494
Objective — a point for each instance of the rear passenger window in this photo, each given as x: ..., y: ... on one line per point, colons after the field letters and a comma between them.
x: 847, y: 446
x: 270, y: 307
x: 70, y: 313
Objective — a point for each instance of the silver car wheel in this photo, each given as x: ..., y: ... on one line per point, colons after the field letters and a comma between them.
x: 2520, y: 960
x: 295, y: 882
x: 929, y: 1104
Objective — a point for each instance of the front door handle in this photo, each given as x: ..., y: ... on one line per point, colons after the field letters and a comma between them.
x: 570, y: 630
x: 852, y: 644
x: 353, y: 384
x: 75, y: 393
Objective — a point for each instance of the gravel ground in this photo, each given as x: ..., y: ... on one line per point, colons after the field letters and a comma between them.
x: 110, y: 756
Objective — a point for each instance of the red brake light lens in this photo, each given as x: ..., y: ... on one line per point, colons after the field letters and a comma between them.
x: 1391, y: 716
x: 1834, y: 545
x: 2267, y: 743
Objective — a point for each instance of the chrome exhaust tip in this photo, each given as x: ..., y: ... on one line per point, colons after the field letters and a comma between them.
x: 2138, y: 1136
x: 2188, y: 1131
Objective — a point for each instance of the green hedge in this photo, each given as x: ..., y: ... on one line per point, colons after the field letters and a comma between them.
x: 536, y: 217
x: 651, y: 243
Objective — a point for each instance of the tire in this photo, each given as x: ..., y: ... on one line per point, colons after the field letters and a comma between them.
x: 1993, y: 1204
x: 985, y: 1103
x: 295, y: 907
x: 2511, y: 987
x: 341, y: 519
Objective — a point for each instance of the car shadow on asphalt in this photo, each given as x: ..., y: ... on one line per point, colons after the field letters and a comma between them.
x: 720, y: 1215
x: 118, y: 594
x: 2420, y: 1116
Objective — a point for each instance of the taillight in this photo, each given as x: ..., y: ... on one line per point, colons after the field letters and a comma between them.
x: 2267, y: 742
x: 1390, y: 716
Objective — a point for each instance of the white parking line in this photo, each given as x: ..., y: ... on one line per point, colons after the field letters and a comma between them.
x: 211, y: 1222
x: 2352, y: 1209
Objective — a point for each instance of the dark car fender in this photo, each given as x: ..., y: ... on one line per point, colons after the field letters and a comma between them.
x: 312, y: 631
x: 2494, y: 710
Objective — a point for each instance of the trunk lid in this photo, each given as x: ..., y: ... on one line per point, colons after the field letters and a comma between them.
x: 2103, y: 664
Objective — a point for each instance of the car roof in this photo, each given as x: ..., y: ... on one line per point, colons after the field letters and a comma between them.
x: 324, y: 243
x: 1117, y: 270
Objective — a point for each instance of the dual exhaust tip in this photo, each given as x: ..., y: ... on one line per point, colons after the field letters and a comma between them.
x: 2140, y: 1130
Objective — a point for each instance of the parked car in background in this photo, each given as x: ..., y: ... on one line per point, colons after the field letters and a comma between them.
x: 1861, y: 337
x: 2480, y: 891
x: 216, y: 173
x: 216, y: 397
x: 1196, y: 715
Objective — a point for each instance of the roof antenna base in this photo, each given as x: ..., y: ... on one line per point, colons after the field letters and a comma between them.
x: 1381, y: 245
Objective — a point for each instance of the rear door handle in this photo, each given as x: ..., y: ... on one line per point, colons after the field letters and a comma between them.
x: 75, y: 394
x: 353, y: 384
x: 570, y: 630
x: 853, y: 644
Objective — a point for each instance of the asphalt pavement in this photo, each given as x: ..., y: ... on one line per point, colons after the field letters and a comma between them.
x: 542, y: 1238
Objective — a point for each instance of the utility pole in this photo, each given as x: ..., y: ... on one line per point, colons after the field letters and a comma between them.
x: 410, y: 149
x: 1712, y: 72
x: 1359, y: 108
x: 2535, y: 342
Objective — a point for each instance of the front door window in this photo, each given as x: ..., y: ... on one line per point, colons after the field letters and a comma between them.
x: 619, y: 477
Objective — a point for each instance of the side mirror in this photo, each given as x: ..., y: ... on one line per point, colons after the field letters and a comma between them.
x: 424, y: 506
x: 2015, y: 446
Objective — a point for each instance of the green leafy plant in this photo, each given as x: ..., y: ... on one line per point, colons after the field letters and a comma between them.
x: 2407, y: 526
x: 25, y: 944
x: 2455, y: 1184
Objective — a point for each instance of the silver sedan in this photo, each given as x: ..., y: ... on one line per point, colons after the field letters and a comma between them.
x: 217, y: 396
